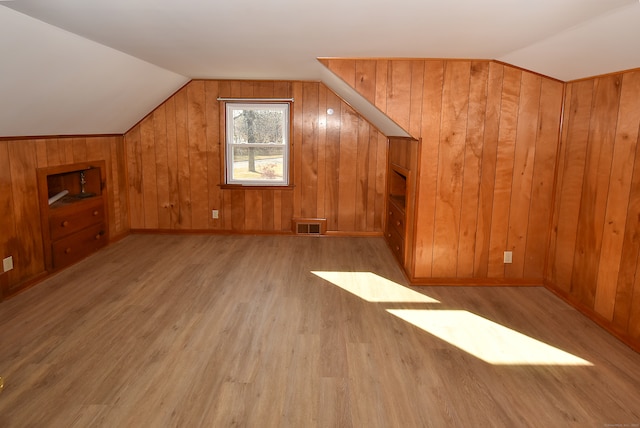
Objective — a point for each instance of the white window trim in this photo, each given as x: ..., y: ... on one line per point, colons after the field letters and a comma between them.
x: 229, y: 145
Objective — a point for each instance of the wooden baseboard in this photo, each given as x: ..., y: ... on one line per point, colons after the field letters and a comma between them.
x: 477, y: 282
x: 607, y: 325
x: 246, y: 232
x: 21, y: 287
x: 207, y: 232
x: 354, y: 234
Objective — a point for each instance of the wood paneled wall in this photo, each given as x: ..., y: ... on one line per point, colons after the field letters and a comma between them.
x: 20, y: 229
x: 487, y: 164
x: 593, y: 255
x: 175, y: 167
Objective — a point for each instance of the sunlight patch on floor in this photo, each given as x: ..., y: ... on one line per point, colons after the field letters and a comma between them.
x: 372, y: 287
x: 485, y: 339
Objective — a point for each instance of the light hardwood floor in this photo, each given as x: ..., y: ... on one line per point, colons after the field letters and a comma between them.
x: 217, y: 331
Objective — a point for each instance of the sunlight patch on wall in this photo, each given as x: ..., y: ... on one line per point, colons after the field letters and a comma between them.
x: 485, y: 339
x: 372, y: 287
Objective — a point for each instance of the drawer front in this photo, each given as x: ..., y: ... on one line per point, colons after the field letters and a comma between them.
x: 66, y: 223
x: 395, y: 219
x: 396, y: 243
x: 79, y: 245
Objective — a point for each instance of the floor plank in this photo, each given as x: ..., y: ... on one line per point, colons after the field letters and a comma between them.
x: 200, y: 331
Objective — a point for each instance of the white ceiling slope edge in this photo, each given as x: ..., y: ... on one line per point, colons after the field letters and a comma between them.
x: 605, y: 44
x: 53, y: 82
x: 92, y: 67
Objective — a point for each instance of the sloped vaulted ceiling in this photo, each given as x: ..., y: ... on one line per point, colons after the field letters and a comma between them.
x: 53, y: 82
x: 89, y: 66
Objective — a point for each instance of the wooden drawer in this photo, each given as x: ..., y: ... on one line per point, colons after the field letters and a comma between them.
x: 396, y: 219
x: 79, y: 245
x: 64, y: 222
x: 396, y: 243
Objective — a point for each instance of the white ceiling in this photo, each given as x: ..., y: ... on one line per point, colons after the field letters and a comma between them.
x: 118, y: 52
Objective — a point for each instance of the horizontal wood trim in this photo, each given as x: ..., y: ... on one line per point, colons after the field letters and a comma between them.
x: 14, y: 290
x: 610, y: 327
x: 243, y: 187
x: 330, y: 233
x: 478, y: 282
x: 352, y: 234
x: 47, y: 137
x: 206, y: 232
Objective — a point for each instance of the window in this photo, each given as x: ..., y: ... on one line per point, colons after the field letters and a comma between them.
x: 257, y: 144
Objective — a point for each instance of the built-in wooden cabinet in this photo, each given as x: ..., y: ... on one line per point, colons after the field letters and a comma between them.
x: 73, y: 212
x: 401, y: 197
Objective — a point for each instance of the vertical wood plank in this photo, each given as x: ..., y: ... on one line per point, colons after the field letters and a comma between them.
x: 150, y: 189
x: 488, y: 170
x: 523, y: 165
x: 297, y: 148
x: 332, y: 153
x: 344, y: 69
x: 309, y: 151
x: 415, y: 106
x: 321, y: 152
x: 504, y: 170
x: 227, y: 211
x: 197, y: 155
x: 277, y: 210
x: 594, y: 189
x: 287, y: 209
x: 215, y: 161
x: 428, y: 177
x: 572, y: 166
x: 347, y: 169
x: 540, y: 210
x: 361, y: 176
x: 455, y: 109
x: 162, y: 166
x: 629, y: 260
x: 182, y: 141
x: 121, y: 224
x: 633, y: 327
x: 365, y: 79
x: 237, y: 210
x: 41, y: 153
x: 382, y: 73
x: 67, y: 147
x: 172, y: 163
x: 617, y: 205
x: 79, y: 147
x: 24, y: 189
x: 8, y: 242
x: 472, y: 167
x: 372, y: 188
x: 382, y: 148
x: 252, y: 210
x: 399, y: 92
x: 267, y: 210
x: 134, y: 177
x: 55, y: 152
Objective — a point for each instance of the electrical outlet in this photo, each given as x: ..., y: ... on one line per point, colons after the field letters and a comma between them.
x: 508, y: 257
x: 7, y: 264
x: 214, y: 213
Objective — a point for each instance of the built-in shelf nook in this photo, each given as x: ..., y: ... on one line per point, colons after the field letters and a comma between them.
x: 72, y: 211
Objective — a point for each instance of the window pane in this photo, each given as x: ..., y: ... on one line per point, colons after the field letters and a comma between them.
x: 258, y: 164
x: 258, y: 125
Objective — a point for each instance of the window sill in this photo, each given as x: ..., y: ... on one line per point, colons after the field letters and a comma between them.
x: 249, y: 187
